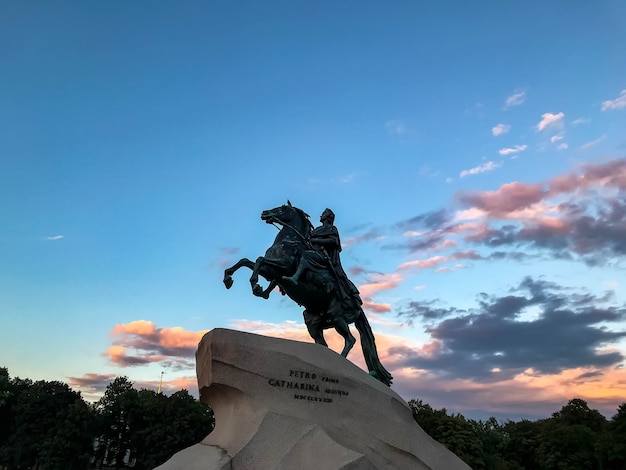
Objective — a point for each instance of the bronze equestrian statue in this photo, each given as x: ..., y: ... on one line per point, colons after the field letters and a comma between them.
x: 304, y: 263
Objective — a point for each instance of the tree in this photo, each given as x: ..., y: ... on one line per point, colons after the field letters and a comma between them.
x: 568, y: 439
x: 578, y: 412
x: 494, y: 441
x: 453, y: 431
x: 116, y: 411
x: 611, y: 447
x: 35, y: 418
x: 523, y: 439
x: 146, y: 428
x: 5, y: 409
x: 169, y: 424
x: 70, y: 447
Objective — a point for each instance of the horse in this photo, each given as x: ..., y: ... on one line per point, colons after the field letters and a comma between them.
x: 318, y: 293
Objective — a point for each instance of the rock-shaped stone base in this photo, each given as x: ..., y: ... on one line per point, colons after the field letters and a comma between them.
x: 282, y: 404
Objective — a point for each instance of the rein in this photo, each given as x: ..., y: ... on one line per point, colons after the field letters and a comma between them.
x: 285, y: 224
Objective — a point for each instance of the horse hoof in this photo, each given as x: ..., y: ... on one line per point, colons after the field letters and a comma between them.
x: 228, y: 282
x: 257, y: 290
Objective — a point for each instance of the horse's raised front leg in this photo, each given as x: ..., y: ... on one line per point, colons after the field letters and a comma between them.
x: 254, y: 279
x: 266, y: 293
x: 228, y: 273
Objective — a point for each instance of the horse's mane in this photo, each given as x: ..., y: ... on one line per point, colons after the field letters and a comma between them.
x: 305, y: 216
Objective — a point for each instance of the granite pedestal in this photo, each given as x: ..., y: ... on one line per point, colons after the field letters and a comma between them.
x: 282, y: 404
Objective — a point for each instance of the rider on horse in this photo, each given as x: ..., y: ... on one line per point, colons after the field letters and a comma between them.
x: 329, y: 298
x: 323, y: 254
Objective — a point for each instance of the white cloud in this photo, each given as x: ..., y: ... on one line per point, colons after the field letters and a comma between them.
x: 422, y: 287
x: 556, y: 138
x: 449, y: 180
x: 515, y: 99
x: 488, y: 166
x: 516, y: 149
x: 588, y: 145
x: 549, y: 119
x: 500, y: 129
x: 562, y: 146
x: 56, y: 237
x: 580, y: 120
x: 617, y: 103
x: 396, y: 126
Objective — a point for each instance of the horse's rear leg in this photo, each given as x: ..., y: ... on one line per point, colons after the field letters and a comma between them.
x: 344, y: 330
x: 228, y: 273
x: 316, y: 330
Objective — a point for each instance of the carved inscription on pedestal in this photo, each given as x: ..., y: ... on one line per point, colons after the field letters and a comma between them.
x: 310, y: 387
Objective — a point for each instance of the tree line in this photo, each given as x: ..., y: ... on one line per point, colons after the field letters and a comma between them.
x: 45, y: 425
x: 48, y: 426
x: 576, y: 437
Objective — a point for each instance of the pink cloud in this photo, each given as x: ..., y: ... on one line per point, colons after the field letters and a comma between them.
x: 512, y: 197
x: 509, y: 197
x: 91, y: 381
x: 371, y: 235
x: 137, y: 327
x: 435, y: 261
x: 525, y: 394
x: 118, y: 355
x: 379, y: 282
x: 177, y: 337
x: 432, y: 262
x: 370, y: 306
x: 142, y: 342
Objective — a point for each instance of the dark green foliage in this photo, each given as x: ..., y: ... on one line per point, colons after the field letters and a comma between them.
x: 523, y: 439
x: 116, y: 410
x: 576, y: 437
x: 565, y: 447
x: 611, y: 446
x: 453, y: 431
x: 569, y: 438
x: 169, y: 424
x: 145, y: 428
x: 71, y: 446
x: 494, y: 442
x: 48, y: 426
x: 44, y: 424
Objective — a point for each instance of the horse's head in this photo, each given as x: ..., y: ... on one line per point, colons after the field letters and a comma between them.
x: 287, y: 215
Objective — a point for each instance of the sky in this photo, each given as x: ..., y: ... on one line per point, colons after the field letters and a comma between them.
x: 474, y: 154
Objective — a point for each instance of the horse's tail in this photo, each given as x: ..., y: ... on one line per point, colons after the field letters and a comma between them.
x: 370, y: 353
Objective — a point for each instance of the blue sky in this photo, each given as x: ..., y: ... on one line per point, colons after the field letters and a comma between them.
x: 474, y: 155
